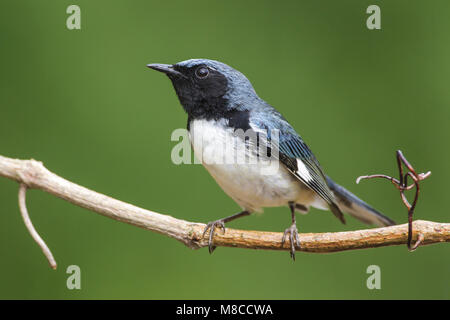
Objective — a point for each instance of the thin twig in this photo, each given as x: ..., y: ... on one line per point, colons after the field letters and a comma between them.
x: 30, y: 227
x: 402, y: 186
x: 34, y: 175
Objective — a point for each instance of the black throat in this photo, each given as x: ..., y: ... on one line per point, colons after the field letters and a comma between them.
x: 235, y: 119
x: 210, y: 104
x: 207, y: 99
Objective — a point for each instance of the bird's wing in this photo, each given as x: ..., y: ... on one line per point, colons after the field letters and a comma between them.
x: 296, y: 156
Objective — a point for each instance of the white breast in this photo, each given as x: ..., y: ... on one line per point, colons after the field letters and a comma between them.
x: 251, y: 183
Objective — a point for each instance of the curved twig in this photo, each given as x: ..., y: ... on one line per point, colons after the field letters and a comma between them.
x: 30, y: 227
x: 402, y: 186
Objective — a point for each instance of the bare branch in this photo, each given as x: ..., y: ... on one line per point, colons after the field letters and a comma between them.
x: 30, y: 227
x: 402, y: 186
x: 34, y: 175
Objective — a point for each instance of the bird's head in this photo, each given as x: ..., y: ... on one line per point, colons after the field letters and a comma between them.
x: 207, y: 87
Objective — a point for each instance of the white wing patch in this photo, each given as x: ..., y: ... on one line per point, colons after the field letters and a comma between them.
x: 302, y: 171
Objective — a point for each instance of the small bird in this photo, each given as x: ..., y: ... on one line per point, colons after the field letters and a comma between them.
x: 220, y: 100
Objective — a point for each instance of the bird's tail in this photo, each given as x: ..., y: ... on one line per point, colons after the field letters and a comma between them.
x: 357, y: 208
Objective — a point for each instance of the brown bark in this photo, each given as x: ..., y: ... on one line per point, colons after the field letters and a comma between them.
x: 34, y: 175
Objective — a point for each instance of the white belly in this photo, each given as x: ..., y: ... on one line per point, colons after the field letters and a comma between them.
x: 252, y: 184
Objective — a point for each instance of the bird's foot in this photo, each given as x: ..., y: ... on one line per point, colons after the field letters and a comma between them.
x: 212, y: 227
x: 293, y: 238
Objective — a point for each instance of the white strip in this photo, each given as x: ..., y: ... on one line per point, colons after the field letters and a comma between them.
x: 303, y: 171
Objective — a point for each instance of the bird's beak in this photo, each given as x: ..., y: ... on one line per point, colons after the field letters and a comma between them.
x: 165, y: 68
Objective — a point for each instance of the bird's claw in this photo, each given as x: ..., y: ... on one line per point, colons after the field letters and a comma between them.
x: 293, y: 239
x: 212, y: 227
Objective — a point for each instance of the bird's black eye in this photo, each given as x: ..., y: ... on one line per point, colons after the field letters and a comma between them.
x: 202, y: 72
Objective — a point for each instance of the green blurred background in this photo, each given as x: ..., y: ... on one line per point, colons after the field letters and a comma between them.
x: 83, y: 102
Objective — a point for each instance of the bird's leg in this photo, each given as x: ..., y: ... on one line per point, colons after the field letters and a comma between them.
x: 301, y: 208
x: 221, y: 223
x: 293, y: 232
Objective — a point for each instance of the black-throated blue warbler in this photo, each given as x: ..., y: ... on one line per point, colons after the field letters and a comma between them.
x: 220, y: 100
